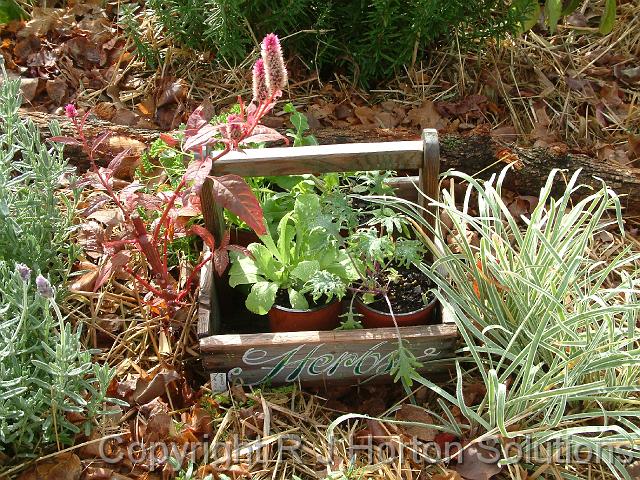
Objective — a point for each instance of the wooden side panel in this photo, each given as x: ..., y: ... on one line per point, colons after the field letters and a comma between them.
x: 318, y: 357
x: 209, y: 310
x: 430, y: 172
x: 207, y: 293
x: 321, y: 159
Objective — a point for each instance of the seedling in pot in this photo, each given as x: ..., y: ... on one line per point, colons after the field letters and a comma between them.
x: 391, y: 289
x: 303, y: 269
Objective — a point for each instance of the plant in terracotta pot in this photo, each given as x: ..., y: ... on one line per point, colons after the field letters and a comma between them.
x: 391, y: 289
x: 299, y: 278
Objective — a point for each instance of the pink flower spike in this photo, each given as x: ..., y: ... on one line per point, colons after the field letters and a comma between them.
x: 70, y: 111
x: 275, y: 70
x: 260, y: 89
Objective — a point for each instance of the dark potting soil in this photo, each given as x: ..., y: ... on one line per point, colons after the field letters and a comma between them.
x: 405, y: 295
x: 282, y: 300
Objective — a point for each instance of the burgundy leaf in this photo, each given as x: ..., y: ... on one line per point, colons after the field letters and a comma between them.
x: 205, y: 235
x: 114, y: 262
x: 146, y: 245
x: 197, y: 119
x: 233, y: 193
x: 95, y: 203
x: 187, y: 212
x: 94, y: 179
x: 225, y: 239
x: 92, y: 237
x: 66, y: 140
x: 98, y: 140
x: 114, y: 164
x: 204, y: 136
x: 263, y: 134
x: 113, y: 246
x: 168, y: 139
x: 197, y: 171
x: 220, y: 261
x: 144, y: 200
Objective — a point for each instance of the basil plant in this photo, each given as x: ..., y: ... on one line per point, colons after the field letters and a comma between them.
x: 305, y: 260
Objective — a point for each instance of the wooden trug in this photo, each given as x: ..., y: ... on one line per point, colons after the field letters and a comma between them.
x: 325, y: 358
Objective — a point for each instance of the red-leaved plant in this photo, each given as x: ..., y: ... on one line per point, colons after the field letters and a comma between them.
x: 151, y: 238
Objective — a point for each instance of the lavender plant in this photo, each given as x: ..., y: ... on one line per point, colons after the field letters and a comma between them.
x: 49, y: 388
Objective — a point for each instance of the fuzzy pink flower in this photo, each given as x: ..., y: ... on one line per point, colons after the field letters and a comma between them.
x: 70, y: 111
x: 275, y: 70
x: 260, y: 89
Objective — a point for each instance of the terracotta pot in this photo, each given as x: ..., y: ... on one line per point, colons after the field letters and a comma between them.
x: 325, y: 317
x: 372, y: 318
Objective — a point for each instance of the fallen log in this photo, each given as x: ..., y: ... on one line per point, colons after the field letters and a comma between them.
x: 482, y: 156
x: 478, y: 155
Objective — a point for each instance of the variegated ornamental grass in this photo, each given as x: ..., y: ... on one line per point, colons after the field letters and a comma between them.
x: 548, y: 326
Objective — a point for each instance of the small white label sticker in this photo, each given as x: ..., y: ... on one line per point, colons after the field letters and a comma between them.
x: 219, y: 382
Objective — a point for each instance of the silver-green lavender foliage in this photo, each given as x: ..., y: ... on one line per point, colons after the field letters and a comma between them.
x: 34, y: 219
x: 45, y: 374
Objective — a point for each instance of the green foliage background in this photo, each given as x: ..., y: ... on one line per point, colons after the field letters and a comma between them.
x: 371, y: 39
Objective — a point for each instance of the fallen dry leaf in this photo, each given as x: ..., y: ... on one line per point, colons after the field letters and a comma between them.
x: 426, y: 116
x: 240, y: 470
x: 477, y: 462
x: 66, y: 466
x: 633, y: 147
x: 252, y: 421
x: 57, y: 90
x: 96, y: 473
x: 366, y: 115
x: 156, y: 387
x: 378, y: 432
x: 156, y: 424
x: 634, y: 470
x: 43, y: 20
x: 200, y: 421
x: 172, y: 92
x: 387, y: 120
x: 85, y: 282
x: 125, y: 117
x: 415, y: 414
x: 447, y: 475
x: 342, y: 112
x: 628, y: 75
x: 109, y: 217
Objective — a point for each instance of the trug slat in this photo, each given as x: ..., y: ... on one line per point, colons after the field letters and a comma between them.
x: 321, y: 159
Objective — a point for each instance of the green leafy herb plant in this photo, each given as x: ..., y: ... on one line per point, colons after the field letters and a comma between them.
x: 301, y: 125
x: 305, y: 261
x: 50, y: 389
x: 554, y: 10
